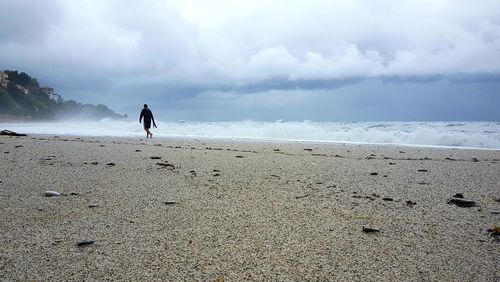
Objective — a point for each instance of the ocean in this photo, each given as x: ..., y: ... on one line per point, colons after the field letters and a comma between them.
x: 484, y: 135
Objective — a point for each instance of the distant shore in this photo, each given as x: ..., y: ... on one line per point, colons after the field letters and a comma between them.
x: 201, y: 210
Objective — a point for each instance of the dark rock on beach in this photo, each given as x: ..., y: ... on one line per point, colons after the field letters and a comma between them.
x: 11, y: 133
x: 85, y: 243
x: 166, y: 165
x: 371, y: 229
x: 461, y: 202
x: 410, y: 203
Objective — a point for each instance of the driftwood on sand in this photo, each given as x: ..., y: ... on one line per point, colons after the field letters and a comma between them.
x: 11, y: 133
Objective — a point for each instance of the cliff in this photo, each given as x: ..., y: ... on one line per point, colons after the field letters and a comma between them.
x: 21, y: 96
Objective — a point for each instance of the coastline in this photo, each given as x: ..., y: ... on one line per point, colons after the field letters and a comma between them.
x: 244, y: 210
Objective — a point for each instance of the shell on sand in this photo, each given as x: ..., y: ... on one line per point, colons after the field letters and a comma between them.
x: 51, y: 194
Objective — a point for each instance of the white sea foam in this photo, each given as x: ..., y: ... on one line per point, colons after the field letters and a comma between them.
x: 452, y: 134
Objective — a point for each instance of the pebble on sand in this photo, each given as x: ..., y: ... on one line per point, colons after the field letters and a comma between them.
x: 461, y: 202
x: 85, y: 243
x: 165, y: 165
x: 371, y: 229
x: 410, y: 203
x: 51, y: 194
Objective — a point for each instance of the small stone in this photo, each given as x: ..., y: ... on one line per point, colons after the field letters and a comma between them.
x: 110, y: 164
x: 495, y: 231
x: 155, y: 158
x: 170, y: 203
x: 410, y: 203
x: 93, y: 205
x: 371, y: 229
x: 373, y: 173
x: 94, y: 163
x: 138, y: 150
x: 165, y: 165
x: 307, y: 149
x: 239, y: 157
x: 74, y: 194
x: 51, y: 194
x: 459, y: 195
x: 85, y: 243
x: 475, y: 160
x: 463, y: 203
x: 422, y: 170
x: 495, y: 211
x: 216, y: 174
x: 276, y: 150
x: 388, y: 199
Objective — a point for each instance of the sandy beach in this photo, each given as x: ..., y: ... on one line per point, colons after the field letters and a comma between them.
x: 201, y: 210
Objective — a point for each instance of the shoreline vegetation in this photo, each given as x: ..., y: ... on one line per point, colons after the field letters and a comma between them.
x: 97, y: 208
x: 23, y: 98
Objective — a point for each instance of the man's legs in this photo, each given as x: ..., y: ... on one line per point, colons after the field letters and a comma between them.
x: 148, y: 133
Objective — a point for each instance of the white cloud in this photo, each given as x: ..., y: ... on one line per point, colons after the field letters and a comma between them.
x: 232, y: 43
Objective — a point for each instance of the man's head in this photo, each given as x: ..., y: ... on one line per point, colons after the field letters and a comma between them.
x: 145, y: 106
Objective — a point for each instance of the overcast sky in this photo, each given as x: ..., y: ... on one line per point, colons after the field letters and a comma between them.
x: 263, y: 60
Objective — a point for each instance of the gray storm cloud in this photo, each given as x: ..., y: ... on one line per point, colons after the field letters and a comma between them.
x: 93, y: 47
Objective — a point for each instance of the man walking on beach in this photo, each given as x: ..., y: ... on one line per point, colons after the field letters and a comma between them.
x: 148, y: 116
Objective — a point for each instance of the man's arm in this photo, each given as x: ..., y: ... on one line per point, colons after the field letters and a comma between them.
x: 140, y: 117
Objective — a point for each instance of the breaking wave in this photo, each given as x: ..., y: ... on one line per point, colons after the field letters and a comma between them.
x: 450, y: 134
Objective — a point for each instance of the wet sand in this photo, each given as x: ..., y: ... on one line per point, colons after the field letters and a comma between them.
x: 198, y: 210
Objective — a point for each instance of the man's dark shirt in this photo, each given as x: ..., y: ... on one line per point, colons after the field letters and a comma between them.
x: 148, y: 116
